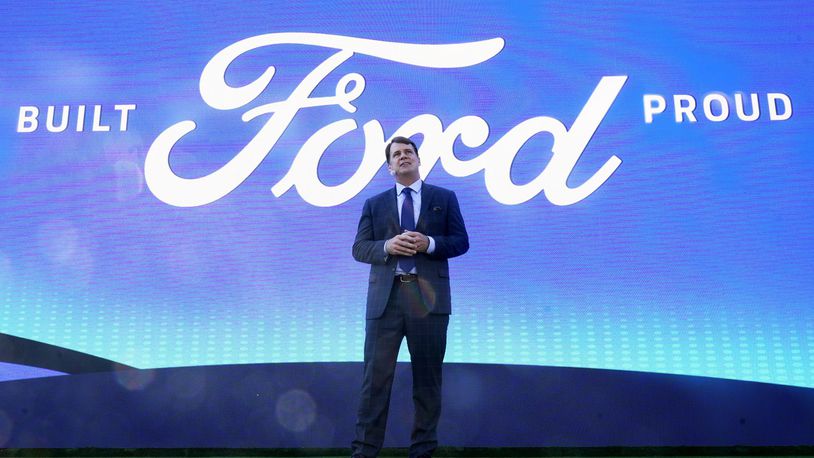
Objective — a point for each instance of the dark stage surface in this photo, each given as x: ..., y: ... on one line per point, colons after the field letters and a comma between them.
x: 312, y: 406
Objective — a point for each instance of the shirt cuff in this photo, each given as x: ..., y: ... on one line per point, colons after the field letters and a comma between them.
x: 431, y: 246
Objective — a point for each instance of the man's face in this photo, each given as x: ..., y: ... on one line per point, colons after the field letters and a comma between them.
x: 403, y: 159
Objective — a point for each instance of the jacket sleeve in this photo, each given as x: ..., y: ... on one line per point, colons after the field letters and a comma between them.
x: 365, y: 248
x: 455, y: 240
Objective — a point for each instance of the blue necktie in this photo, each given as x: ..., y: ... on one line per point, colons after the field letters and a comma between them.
x: 407, y: 263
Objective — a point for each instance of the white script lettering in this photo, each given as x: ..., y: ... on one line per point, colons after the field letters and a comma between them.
x: 437, y: 146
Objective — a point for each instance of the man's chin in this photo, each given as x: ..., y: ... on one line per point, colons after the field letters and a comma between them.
x: 405, y: 171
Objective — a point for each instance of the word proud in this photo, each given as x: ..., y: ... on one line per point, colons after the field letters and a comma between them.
x: 437, y: 145
x: 716, y: 107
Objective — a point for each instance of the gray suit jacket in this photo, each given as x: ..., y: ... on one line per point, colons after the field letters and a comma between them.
x: 439, y: 217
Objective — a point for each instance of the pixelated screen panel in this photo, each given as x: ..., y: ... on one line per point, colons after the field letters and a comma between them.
x: 635, y: 179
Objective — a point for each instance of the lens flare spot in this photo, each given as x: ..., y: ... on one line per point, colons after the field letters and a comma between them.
x: 296, y: 410
x: 135, y: 380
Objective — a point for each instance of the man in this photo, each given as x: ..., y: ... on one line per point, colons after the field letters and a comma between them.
x: 406, y: 234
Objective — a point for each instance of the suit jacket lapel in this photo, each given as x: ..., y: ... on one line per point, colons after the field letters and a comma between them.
x: 426, y: 197
x: 393, y: 212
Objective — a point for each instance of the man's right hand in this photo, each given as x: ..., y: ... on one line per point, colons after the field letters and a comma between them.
x: 401, y: 245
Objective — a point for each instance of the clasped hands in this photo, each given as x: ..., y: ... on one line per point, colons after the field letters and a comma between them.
x: 407, y: 244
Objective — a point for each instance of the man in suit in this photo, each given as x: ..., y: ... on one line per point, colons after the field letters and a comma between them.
x: 406, y: 234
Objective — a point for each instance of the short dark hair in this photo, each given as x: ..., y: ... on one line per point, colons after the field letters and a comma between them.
x: 403, y: 141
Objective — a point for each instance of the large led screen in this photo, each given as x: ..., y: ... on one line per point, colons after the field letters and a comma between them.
x: 180, y: 184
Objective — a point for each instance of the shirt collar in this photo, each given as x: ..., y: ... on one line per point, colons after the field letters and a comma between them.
x: 416, y: 187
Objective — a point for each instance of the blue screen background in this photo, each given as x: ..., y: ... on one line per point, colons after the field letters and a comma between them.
x: 695, y: 257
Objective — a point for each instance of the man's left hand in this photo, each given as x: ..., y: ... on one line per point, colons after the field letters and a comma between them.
x: 420, y: 240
